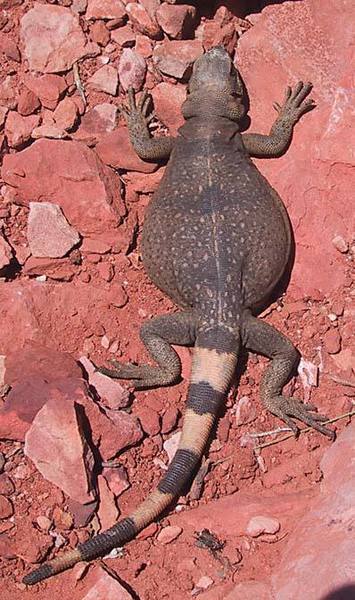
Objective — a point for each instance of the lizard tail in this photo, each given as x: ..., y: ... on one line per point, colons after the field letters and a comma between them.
x: 211, y: 375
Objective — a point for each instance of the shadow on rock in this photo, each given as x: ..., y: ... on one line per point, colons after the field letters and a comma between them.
x: 346, y: 592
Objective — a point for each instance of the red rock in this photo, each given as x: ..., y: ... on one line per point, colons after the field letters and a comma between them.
x: 340, y: 244
x: 6, y: 508
x: 228, y: 517
x: 99, y: 33
x: 49, y: 131
x: 95, y: 246
x: 106, y: 271
x: 105, y: 587
x: 116, y: 150
x: 79, y: 6
x: 142, y: 21
x: 6, y: 253
x: 22, y: 403
x: 57, y: 446
x: 59, y: 269
x: 169, y: 419
x: 249, y: 590
x: 48, y: 88
x: 143, y: 46
x: 344, y: 360
x: 171, y: 445
x: 168, y: 534
x: 261, y: 524
x: 8, y: 96
x: 108, y: 512
x: 204, y: 582
x: 48, y: 232
x: 332, y: 341
x: 175, y: 57
x: 7, y: 549
x: 8, y: 4
x: 105, y: 80
x: 212, y: 34
x: 82, y: 513
x: 144, y: 184
x: 119, y: 296
x: 28, y: 103
x: 168, y: 99
x: 329, y: 561
x: 44, y: 523
x: 124, y: 427
x: 106, y: 9
x: 9, y: 48
x: 3, y: 112
x: 148, y: 532
x: 131, y: 70
x: 109, y: 390
x: 30, y: 544
x: 66, y: 114
x: 316, y: 140
x: 117, y: 480
x: 59, y: 171
x: 245, y: 411
x: 97, y: 121
x: 53, y: 39
x: 150, y: 420
x: 123, y: 36
x: 6, y: 485
x: 18, y: 129
x: 176, y: 21
x: 34, y: 360
x: 151, y: 6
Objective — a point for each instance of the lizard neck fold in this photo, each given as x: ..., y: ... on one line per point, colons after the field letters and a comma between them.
x: 200, y: 127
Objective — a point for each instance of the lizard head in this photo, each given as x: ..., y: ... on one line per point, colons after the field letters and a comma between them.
x: 215, y: 87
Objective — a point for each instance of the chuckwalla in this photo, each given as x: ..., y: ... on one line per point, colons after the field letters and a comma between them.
x: 216, y: 240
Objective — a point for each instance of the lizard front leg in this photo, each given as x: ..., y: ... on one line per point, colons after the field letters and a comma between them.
x: 137, y: 119
x: 277, y: 142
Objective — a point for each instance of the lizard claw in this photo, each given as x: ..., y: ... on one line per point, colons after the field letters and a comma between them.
x: 285, y: 408
x: 295, y: 103
x: 136, y: 111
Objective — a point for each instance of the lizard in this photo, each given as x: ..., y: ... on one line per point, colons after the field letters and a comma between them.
x: 216, y: 239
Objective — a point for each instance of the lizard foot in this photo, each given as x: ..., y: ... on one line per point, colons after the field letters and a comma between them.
x: 295, y: 104
x: 140, y: 376
x: 285, y: 408
x: 137, y: 113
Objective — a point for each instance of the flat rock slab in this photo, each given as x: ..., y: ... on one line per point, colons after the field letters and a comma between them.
x: 56, y: 444
x: 60, y: 171
x: 105, y: 587
x: 48, y: 232
x: 53, y: 39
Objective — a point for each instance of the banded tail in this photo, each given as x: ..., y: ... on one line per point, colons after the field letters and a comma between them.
x: 211, y: 375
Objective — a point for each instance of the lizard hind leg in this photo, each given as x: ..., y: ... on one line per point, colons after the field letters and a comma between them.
x: 158, y: 335
x: 262, y: 338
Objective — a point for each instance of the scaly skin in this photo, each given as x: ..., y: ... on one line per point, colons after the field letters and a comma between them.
x: 216, y: 240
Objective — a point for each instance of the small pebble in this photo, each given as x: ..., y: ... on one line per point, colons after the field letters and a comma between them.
x: 261, y: 524
x: 340, y: 244
x: 44, y: 523
x: 204, y: 582
x: 168, y: 534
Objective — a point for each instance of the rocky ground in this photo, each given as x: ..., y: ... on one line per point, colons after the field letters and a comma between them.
x: 76, y: 449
